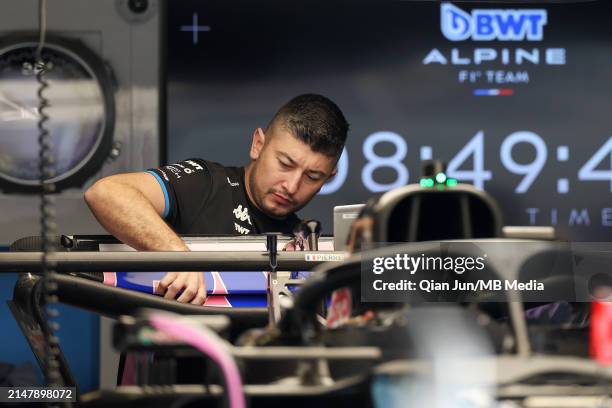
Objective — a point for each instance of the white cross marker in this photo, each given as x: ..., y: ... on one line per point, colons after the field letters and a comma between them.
x: 194, y: 28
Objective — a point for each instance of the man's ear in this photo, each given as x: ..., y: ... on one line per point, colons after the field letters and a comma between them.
x: 333, y: 173
x: 259, y: 139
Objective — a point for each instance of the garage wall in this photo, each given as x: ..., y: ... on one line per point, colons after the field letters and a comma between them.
x: 129, y: 44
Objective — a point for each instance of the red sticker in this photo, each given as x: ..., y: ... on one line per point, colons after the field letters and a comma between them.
x: 340, y: 308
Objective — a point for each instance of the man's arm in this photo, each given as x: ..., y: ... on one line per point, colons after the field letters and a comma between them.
x: 130, y: 206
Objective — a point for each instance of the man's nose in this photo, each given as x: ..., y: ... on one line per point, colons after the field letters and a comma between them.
x: 292, y: 182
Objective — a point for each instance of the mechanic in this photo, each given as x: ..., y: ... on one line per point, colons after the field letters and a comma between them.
x: 290, y: 161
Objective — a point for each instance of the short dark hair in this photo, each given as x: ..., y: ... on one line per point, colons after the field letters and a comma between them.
x: 315, y: 120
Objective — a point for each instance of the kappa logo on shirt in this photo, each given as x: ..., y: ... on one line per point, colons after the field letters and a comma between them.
x: 231, y: 183
x: 242, y: 214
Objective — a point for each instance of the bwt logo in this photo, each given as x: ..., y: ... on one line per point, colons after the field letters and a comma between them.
x: 492, y: 24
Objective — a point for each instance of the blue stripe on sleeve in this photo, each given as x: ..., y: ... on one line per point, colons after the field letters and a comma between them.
x: 165, y: 190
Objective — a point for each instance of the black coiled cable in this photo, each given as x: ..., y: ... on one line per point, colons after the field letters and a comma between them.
x: 47, y: 212
x: 48, y: 226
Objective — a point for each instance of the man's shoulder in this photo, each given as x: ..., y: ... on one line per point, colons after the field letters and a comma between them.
x: 193, y: 172
x: 199, y: 162
x: 212, y: 166
x: 221, y: 181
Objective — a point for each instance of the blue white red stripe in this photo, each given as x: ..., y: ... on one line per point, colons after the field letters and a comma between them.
x: 494, y: 92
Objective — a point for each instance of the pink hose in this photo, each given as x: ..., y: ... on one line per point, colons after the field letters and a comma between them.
x: 206, y: 341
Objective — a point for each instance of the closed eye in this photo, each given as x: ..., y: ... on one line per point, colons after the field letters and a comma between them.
x: 314, y: 177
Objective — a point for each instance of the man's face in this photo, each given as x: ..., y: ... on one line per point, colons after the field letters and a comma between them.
x: 285, y: 173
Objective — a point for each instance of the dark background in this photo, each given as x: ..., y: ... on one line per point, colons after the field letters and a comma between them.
x: 367, y: 57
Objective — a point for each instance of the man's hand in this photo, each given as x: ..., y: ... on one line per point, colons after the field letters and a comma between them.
x: 191, y: 283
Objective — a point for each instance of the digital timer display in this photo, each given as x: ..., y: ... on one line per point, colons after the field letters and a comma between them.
x: 471, y: 159
x: 515, y: 98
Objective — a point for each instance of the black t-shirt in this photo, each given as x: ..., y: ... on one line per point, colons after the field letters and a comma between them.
x: 203, y: 197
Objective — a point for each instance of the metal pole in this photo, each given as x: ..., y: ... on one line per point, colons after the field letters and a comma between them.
x: 166, y: 261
